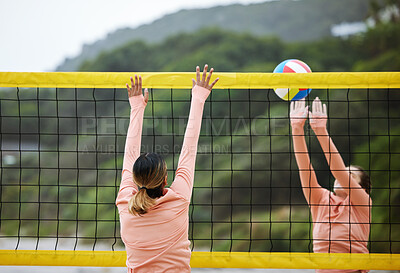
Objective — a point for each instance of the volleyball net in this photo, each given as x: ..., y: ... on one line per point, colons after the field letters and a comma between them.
x: 62, y: 141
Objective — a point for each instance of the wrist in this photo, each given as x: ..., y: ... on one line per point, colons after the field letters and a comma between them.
x: 320, y: 131
x: 137, y: 101
x: 297, y: 129
x: 200, y: 93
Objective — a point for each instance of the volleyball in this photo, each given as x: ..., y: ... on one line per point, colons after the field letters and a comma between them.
x: 292, y: 66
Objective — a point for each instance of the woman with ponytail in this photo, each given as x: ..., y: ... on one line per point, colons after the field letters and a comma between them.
x: 154, y: 219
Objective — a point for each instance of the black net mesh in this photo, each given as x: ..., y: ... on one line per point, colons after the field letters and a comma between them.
x: 62, y: 149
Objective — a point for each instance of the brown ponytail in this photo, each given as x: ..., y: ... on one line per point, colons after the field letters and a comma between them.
x: 149, y: 172
x: 140, y: 203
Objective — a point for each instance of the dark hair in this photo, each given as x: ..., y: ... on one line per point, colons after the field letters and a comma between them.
x: 149, y: 173
x: 365, y: 180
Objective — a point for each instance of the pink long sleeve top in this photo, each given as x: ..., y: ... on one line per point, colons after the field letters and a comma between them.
x: 158, y: 240
x: 340, y: 225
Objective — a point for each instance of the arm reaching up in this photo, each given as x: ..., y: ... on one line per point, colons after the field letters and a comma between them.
x: 138, y: 103
x: 183, y: 182
x: 318, y: 119
x: 309, y: 183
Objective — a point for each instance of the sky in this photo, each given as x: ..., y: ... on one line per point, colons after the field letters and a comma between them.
x: 37, y: 35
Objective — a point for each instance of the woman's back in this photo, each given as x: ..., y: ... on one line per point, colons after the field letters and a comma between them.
x: 156, y: 239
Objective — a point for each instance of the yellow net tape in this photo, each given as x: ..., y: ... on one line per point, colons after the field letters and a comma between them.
x: 183, y: 80
x: 208, y: 259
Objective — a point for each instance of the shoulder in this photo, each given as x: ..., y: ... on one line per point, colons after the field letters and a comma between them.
x: 123, y: 197
x: 320, y: 204
x: 362, y: 209
x: 347, y: 203
x: 320, y: 195
x: 172, y: 196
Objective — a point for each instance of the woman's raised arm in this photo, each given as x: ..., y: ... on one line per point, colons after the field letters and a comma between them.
x: 318, y: 118
x: 311, y: 189
x: 183, y: 183
x: 138, y: 103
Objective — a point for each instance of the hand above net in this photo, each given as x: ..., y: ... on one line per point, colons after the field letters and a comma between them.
x: 298, y: 113
x: 318, y: 115
x: 136, y: 89
x: 205, y: 81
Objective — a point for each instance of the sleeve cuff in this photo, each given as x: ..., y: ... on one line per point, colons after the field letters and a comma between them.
x: 200, y: 93
x: 137, y: 101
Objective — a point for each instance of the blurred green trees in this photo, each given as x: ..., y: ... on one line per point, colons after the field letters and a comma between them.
x: 271, y: 198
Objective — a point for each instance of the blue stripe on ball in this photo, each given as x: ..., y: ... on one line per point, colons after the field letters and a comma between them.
x: 279, y: 68
x: 302, y: 94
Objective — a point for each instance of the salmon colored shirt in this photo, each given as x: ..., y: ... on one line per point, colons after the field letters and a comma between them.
x: 158, y: 240
x: 339, y: 226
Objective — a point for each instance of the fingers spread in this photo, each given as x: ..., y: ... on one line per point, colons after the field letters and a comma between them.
x: 146, y: 95
x: 132, y: 82
x: 213, y: 83
x: 318, y: 105
x: 205, y: 72
x: 198, y: 74
x: 314, y: 106
x: 303, y: 103
x: 306, y: 111
x: 136, y: 85
x: 209, y: 76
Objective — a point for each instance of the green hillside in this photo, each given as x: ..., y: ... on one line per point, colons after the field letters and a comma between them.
x: 289, y: 20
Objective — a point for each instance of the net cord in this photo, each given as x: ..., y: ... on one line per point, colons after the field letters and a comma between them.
x: 183, y: 80
x: 208, y: 259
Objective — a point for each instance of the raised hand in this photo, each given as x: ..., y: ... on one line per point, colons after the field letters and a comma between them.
x: 136, y: 88
x: 318, y: 116
x: 205, y: 81
x: 298, y: 113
